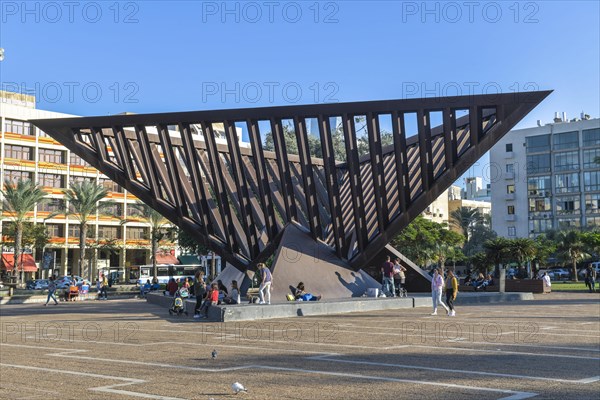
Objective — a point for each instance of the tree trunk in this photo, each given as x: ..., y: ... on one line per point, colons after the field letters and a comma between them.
x: 82, y: 244
x: 575, y: 278
x: 154, y: 249
x: 213, y: 266
x: 18, y: 260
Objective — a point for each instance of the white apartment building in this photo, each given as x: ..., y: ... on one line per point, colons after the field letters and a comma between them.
x: 545, y: 178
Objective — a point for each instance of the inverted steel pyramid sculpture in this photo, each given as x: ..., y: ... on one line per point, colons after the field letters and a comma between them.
x: 235, y: 178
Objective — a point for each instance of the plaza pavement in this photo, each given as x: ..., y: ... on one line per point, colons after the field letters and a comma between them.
x: 546, y: 348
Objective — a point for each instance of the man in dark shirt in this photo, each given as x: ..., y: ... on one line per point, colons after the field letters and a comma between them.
x: 387, y: 271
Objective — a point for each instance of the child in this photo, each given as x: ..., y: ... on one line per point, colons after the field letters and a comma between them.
x: 212, y: 299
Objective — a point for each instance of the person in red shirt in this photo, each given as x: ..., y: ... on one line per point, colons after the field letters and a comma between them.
x: 387, y: 270
x: 172, y: 287
x: 211, y: 299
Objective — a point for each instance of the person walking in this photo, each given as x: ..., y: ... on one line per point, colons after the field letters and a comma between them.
x: 199, y: 291
x: 591, y: 278
x: 399, y: 276
x: 51, y: 290
x: 387, y: 271
x: 437, y: 285
x: 451, y: 292
x: 265, y: 284
x: 103, y: 287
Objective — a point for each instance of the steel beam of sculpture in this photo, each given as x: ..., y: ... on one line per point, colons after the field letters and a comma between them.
x: 237, y: 197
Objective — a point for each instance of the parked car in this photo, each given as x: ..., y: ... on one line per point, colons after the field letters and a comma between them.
x: 65, y: 281
x: 561, y: 273
x: 40, y: 284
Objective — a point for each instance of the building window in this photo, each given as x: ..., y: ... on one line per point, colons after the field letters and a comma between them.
x: 539, y: 163
x: 114, y: 210
x: 16, y: 176
x: 569, y: 223
x: 539, y: 186
x: 18, y: 152
x: 536, y: 144
x: 509, y: 147
x: 591, y: 180
x: 567, y: 140
x: 51, y: 180
x: 136, y: 233
x: 566, y: 161
x: 510, y: 210
x: 55, y: 230
x: 567, y: 183
x: 540, y: 205
x: 591, y: 137
x: 52, y: 205
x: 51, y: 156
x: 568, y: 205
x: 74, y: 230
x: 111, y: 186
x: 510, y: 189
x: 540, y: 225
x: 81, y: 179
x: 18, y: 127
x: 510, y: 168
x: 592, y: 221
x: 74, y: 159
x: 589, y: 157
x: 512, y: 231
x: 592, y: 203
x: 109, y: 232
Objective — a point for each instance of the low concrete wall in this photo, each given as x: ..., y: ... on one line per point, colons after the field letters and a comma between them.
x: 251, y: 312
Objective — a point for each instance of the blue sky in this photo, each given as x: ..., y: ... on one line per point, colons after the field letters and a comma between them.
x: 98, y: 58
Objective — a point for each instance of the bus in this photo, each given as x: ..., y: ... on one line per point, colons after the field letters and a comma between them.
x: 166, y: 272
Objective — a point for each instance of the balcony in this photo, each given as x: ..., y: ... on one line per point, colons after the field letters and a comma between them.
x: 509, y: 175
x: 509, y: 154
x: 509, y: 196
x: 510, y: 217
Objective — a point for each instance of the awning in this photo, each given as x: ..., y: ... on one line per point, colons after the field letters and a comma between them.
x: 189, y: 260
x: 166, y: 258
x: 27, y: 263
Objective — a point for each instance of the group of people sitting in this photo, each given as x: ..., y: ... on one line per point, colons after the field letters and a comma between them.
x: 481, y: 283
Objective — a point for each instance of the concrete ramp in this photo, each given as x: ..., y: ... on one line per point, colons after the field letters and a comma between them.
x: 302, y: 259
x: 230, y: 273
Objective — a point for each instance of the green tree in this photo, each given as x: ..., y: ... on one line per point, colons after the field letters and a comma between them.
x: 18, y: 200
x: 158, y: 226
x: 521, y: 251
x: 480, y: 233
x: 591, y: 240
x: 496, y: 250
x: 84, y: 203
x: 481, y: 263
x: 419, y: 240
x: 446, y: 244
x: 570, y: 246
x: 35, y: 236
x: 465, y: 219
x: 544, y: 248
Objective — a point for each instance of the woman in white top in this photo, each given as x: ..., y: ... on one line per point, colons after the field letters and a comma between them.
x: 437, y: 285
x: 234, y: 295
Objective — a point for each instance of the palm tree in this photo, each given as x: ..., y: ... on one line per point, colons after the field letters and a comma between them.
x: 157, y: 224
x: 18, y: 200
x: 522, y: 250
x: 464, y: 218
x: 83, y: 198
x: 571, y: 247
x: 496, y: 251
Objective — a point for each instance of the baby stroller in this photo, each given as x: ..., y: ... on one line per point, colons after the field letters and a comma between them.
x: 178, y: 306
